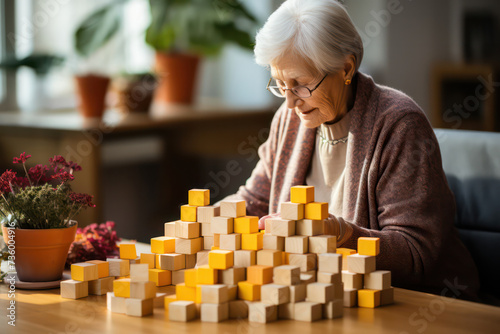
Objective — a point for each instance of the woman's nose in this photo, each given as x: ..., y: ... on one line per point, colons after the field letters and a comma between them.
x: 292, y: 100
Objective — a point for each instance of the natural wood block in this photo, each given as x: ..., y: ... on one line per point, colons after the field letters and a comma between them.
x: 368, y: 298
x: 101, y: 286
x: 286, y: 311
x: 308, y: 311
x: 262, y: 313
x: 149, y: 259
x: 246, y: 224
x: 306, y: 278
x: 102, y: 268
x: 169, y: 229
x: 127, y: 251
x: 286, y: 258
x: 387, y: 296
x: 232, y: 276
x: 260, y: 274
x: 202, y: 258
x: 361, y: 264
x: 183, y: 292
x: 330, y: 263
x: 248, y: 291
x: 199, y: 197
x: 273, y: 242
x: 160, y: 277
x: 345, y: 252
x: 230, y: 241
x: 333, y: 309
x: 182, y: 311
x: 216, y: 239
x: 269, y: 257
x: 208, y: 243
x: 118, y: 267
x: 282, y: 227
x: 312, y: 273
x: 275, y: 294
x: 233, y: 208
x: 286, y: 275
x: 142, y: 290
x: 189, y: 213
x: 329, y: 278
x: 352, y: 280
x: 378, y: 280
x: 162, y: 245
x: 206, y: 230
x: 178, y: 277
x: 190, y: 277
x: 74, y: 289
x: 305, y: 262
x: 139, y: 307
x: 167, y: 300
x: 298, y: 293
x: 350, y: 297
x: 245, y: 258
x: 214, y: 294
x: 297, y: 244
x: 206, y: 213
x: 368, y: 246
x: 191, y: 260
x: 116, y: 304
x: 220, y: 259
x: 238, y: 309
x: 214, y: 312
x: 322, y: 244
x: 302, y: 194
x: 121, y: 287
x: 320, y: 292
x: 187, y: 230
x: 188, y: 246
x: 232, y: 292
x: 292, y: 211
x: 252, y: 241
x: 267, y: 225
x: 308, y: 227
x: 139, y: 272
x: 172, y: 261
x: 222, y: 225
x: 338, y: 290
x: 84, y: 271
x: 316, y: 210
x: 159, y: 300
x: 137, y: 260
x: 206, y: 275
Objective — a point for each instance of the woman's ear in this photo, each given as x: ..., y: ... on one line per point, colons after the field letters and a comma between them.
x: 349, y: 67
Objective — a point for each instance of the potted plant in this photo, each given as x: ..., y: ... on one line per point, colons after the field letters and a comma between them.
x: 133, y: 92
x: 37, y: 213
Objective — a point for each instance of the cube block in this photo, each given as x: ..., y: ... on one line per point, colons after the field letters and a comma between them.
x: 352, y: 280
x: 220, y: 259
x: 245, y: 258
x: 316, y: 210
x: 330, y: 263
x: 206, y: 275
x: 252, y: 241
x: 361, y: 264
x: 162, y: 245
x: 206, y: 213
x: 368, y: 246
x: 273, y: 242
x: 189, y: 213
x: 322, y: 244
x: 169, y: 229
x: 232, y: 208
x: 187, y: 229
x: 308, y: 311
x: 232, y: 276
x: 138, y: 307
x: 143, y: 290
x: 297, y: 244
x: 302, y: 194
x: 292, y: 211
x: 102, y: 268
x: 118, y: 267
x: 183, y: 292
x: 160, y: 277
x: 188, y: 246
x: 350, y: 297
x: 84, y: 271
x: 121, y: 287
x: 281, y: 227
x: 116, y: 304
x: 368, y: 298
x: 101, y: 286
x: 74, y: 289
x: 275, y: 294
x: 214, y: 294
x: 127, y: 251
x: 260, y: 274
x: 305, y: 262
x: 190, y: 277
x: 222, y: 225
x: 320, y: 292
x: 298, y: 293
x: 248, y: 291
x: 230, y: 241
x: 199, y: 197
x: 378, y: 280
x: 333, y: 309
x: 269, y: 257
x: 214, y: 312
x: 329, y: 278
x: 262, y: 313
x: 387, y: 296
x: 286, y: 275
x: 172, y: 261
x: 246, y: 224
x: 182, y: 311
x: 309, y: 227
x: 238, y: 309
x: 149, y: 259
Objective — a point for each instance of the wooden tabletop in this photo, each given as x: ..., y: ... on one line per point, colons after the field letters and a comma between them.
x: 413, y: 312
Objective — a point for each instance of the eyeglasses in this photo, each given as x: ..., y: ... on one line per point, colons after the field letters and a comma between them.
x: 300, y: 91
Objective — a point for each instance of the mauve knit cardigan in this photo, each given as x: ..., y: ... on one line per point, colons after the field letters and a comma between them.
x: 395, y: 188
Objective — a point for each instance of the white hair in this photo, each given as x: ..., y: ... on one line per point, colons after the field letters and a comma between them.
x: 317, y: 31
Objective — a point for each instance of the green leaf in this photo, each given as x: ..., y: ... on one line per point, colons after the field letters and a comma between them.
x: 231, y: 33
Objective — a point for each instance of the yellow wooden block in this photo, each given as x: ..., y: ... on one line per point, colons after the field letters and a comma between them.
x: 198, y: 293
x: 121, y: 287
x: 206, y: 275
x: 260, y: 274
x: 220, y: 259
x: 368, y: 246
x: 188, y: 213
x: 252, y: 241
x: 169, y: 299
x: 160, y: 277
x: 127, y: 251
x: 162, y: 245
x: 248, y: 291
x: 214, y: 248
x: 84, y: 271
x: 190, y: 277
x: 316, y: 210
x: 285, y: 258
x: 150, y: 259
x: 157, y: 262
x: 183, y: 292
x: 302, y: 194
x: 368, y: 298
x: 199, y: 197
x: 246, y: 224
x: 102, y: 268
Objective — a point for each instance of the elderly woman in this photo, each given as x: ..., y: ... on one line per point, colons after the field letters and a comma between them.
x: 368, y: 150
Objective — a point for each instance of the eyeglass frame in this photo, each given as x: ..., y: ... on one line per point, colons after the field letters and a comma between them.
x: 290, y: 89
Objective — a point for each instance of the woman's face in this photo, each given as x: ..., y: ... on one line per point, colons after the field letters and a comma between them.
x: 327, y: 103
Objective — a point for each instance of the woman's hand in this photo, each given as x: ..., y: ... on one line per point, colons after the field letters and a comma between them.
x: 262, y: 221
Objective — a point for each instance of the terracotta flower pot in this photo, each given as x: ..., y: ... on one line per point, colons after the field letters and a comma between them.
x: 92, y: 91
x: 134, y: 95
x: 40, y: 255
x: 176, y: 78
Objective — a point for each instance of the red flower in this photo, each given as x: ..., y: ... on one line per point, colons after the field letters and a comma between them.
x: 63, y: 176
x: 21, y: 182
x: 6, y: 181
x: 38, y: 174
x: 22, y: 158
x: 85, y: 200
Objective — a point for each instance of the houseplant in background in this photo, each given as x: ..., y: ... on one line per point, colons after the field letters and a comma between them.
x: 37, y: 211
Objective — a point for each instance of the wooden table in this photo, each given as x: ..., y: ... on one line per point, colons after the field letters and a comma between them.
x: 413, y: 312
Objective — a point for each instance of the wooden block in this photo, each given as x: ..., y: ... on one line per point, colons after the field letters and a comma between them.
x: 275, y: 294
x: 121, y: 287
x: 157, y: 262
x: 160, y: 277
x: 368, y: 298
x: 159, y: 300
x: 214, y: 294
x: 275, y: 242
x: 101, y: 286
x: 297, y: 244
x: 202, y: 258
x: 308, y: 311
x: 282, y: 227
x: 350, y: 297
x: 220, y: 259
x: 267, y: 225
x: 361, y: 264
x: 102, y: 268
x: 137, y: 260
x: 245, y: 258
x: 232, y: 292
x: 316, y: 211
x: 214, y: 312
x: 286, y: 311
x: 178, y: 277
x: 232, y: 276
x: 333, y: 309
x: 286, y: 275
x: 189, y: 213
x: 260, y: 274
x: 238, y: 309
x: 74, y: 289
x: 206, y: 275
x: 320, y: 292
x: 169, y: 229
x: 116, y: 304
x: 233, y: 208
x: 305, y: 262
x: 139, y: 307
x: 188, y: 246
x: 269, y: 257
x: 208, y: 243
x: 118, y: 267
x: 311, y: 273
x: 352, y: 280
x: 84, y: 271
x: 368, y: 246
x: 206, y: 213
x: 329, y: 278
x: 187, y: 230
x: 127, y: 251
x: 262, y: 313
x: 345, y: 252
x: 216, y: 239
x: 183, y: 292
x: 206, y: 230
x: 230, y: 241
x: 139, y: 272
x: 248, y: 291
x: 191, y: 260
x: 252, y: 241
x: 330, y: 263
x: 302, y: 194
x: 172, y: 261
x: 149, y: 259
x: 338, y: 290
x: 307, y: 278
x: 322, y: 244
x: 199, y: 197
x: 222, y: 225
x: 167, y: 300
x: 387, y: 296
x: 292, y: 211
x: 378, y: 280
x: 162, y: 245
x: 298, y: 293
x: 142, y: 290
x: 308, y: 227
x: 246, y: 224
x: 182, y: 311
x: 190, y: 277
